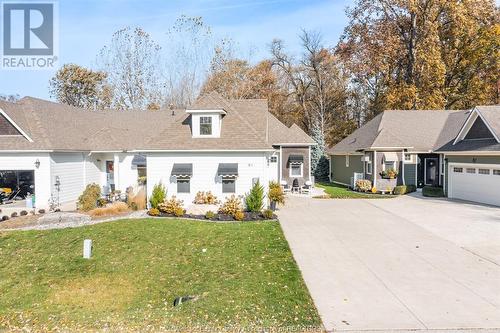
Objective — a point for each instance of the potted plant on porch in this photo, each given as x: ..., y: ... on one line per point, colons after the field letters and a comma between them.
x: 389, y: 174
x: 275, y: 195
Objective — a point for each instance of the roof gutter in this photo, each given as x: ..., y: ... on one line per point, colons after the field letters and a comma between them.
x: 295, y: 144
x: 197, y: 150
x: 470, y: 152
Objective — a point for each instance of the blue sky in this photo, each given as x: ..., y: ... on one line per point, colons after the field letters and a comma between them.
x: 86, y: 26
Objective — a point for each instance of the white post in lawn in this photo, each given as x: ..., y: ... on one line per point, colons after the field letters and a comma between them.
x: 87, y: 248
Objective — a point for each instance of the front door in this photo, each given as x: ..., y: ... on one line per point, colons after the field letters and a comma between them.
x: 431, y: 171
x: 110, y: 175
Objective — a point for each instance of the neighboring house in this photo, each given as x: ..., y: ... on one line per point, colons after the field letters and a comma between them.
x: 457, y: 150
x: 217, y: 145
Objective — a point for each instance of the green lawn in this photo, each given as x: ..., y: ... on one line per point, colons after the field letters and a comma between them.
x: 246, y: 277
x: 336, y: 191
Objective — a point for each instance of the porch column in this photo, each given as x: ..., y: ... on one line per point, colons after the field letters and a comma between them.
x: 116, y: 171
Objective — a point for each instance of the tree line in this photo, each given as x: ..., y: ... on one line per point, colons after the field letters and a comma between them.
x: 393, y: 54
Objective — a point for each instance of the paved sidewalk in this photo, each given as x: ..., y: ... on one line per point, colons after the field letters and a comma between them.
x: 371, y: 265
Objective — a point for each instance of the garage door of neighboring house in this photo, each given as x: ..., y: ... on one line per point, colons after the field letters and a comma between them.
x: 475, y: 182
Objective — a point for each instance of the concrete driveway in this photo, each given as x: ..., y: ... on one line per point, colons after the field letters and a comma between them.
x: 407, y: 263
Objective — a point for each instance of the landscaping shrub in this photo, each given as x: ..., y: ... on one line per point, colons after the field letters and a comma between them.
x: 205, y: 198
x: 255, y: 199
x: 239, y: 215
x: 5, y: 218
x: 14, y: 214
x: 101, y: 202
x: 268, y: 214
x: 404, y: 189
x: 276, y: 193
x: 154, y: 212
x: 138, y: 201
x: 209, y: 215
x: 432, y: 191
x: 411, y: 188
x: 179, y: 211
x: 88, y: 200
x: 363, y: 185
x: 374, y: 190
x: 170, y: 205
x: 158, y: 195
x: 23, y: 213
x: 231, y: 206
x: 110, y: 210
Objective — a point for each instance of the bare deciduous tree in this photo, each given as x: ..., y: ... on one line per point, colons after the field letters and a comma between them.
x: 132, y: 62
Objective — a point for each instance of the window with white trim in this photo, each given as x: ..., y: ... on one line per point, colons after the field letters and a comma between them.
x: 296, y: 169
x: 346, y: 161
x: 458, y: 170
x: 496, y: 172
x: 389, y: 165
x: 369, y: 167
x: 484, y: 171
x: 205, y: 125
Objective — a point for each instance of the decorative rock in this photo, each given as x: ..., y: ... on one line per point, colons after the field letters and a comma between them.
x: 196, y: 209
x: 64, y: 218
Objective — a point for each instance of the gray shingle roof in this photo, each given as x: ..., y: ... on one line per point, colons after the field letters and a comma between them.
x: 53, y: 126
x: 415, y: 130
x: 492, y: 115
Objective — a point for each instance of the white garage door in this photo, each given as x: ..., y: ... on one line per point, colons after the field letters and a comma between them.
x: 474, y: 182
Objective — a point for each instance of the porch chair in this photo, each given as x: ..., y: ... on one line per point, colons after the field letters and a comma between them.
x: 306, y: 189
x: 284, y: 185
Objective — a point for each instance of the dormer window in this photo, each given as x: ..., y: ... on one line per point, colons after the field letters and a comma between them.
x: 205, y: 125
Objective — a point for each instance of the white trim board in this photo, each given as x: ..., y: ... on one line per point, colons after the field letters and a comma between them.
x: 340, y: 183
x: 469, y: 123
x: 13, y: 123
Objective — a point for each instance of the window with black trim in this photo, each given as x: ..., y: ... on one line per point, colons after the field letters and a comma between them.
x: 470, y: 170
x: 228, y: 185
x: 205, y: 125
x: 484, y: 171
x: 458, y: 170
x: 183, y: 185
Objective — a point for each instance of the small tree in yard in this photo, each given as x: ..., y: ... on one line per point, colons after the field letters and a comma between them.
x: 255, y: 199
x: 158, y: 195
x: 317, y: 151
x: 322, y: 169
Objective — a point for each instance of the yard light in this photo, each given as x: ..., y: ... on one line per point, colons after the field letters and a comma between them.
x: 37, y: 163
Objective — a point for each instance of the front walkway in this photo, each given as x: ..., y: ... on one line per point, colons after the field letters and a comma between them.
x: 405, y: 263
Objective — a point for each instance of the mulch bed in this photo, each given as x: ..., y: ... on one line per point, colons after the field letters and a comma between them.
x: 249, y: 216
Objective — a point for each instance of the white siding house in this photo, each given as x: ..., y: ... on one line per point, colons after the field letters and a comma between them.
x: 252, y: 166
x: 62, y: 149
